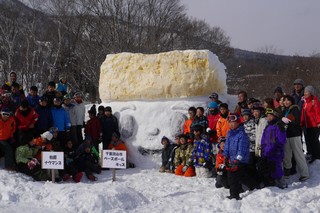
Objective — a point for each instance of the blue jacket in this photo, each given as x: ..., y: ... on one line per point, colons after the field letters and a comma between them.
x: 60, y: 118
x: 237, y: 145
x: 45, y: 120
x: 33, y: 101
x: 202, y: 152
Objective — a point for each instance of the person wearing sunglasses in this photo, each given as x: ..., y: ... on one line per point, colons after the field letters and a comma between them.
x: 272, y: 148
x: 7, y: 129
x: 6, y: 101
x: 236, y: 152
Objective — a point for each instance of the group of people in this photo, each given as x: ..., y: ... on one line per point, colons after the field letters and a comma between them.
x: 259, y: 144
x: 30, y: 124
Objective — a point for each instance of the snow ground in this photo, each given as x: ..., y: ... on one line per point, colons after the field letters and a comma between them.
x: 147, y: 190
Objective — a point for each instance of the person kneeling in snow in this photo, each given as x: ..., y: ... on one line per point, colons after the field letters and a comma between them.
x: 118, y: 144
x: 183, y: 160
x: 89, y: 162
x: 26, y: 161
x: 202, y: 154
x: 165, y: 154
x: 222, y: 178
x: 44, y: 143
x: 70, y: 169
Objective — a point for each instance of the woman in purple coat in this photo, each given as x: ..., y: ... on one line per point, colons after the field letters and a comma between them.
x: 272, y: 145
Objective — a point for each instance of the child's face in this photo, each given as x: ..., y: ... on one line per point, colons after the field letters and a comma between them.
x: 14, y: 89
x: 69, y: 144
x: 43, y: 103
x: 222, y: 145
x: 50, y: 88
x: 223, y: 110
x: 241, y: 97
x: 32, y: 93
x: 246, y: 117
x: 270, y: 117
x: 164, y: 143
x: 199, y: 113
x: 182, y: 141
x: 177, y: 140
x: 87, y: 149
x: 196, y: 133
x: 256, y: 113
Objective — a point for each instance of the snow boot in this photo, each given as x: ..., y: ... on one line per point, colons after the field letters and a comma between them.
x: 66, y: 177
x: 92, y: 177
x: 77, y: 177
x: 303, y: 178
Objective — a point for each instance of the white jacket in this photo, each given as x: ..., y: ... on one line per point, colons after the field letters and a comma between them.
x: 80, y: 112
x: 259, y: 131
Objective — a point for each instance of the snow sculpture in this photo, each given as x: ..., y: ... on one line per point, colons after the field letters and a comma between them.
x: 176, y: 74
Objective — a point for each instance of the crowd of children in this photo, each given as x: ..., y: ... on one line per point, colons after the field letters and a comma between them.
x: 259, y: 144
x: 53, y: 122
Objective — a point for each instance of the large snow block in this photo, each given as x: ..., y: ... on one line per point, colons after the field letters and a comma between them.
x: 176, y: 74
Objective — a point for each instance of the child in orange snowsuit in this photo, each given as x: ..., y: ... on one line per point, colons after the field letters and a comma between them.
x: 222, y: 179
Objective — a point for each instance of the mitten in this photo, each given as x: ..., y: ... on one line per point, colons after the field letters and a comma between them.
x: 32, y: 163
x: 286, y: 120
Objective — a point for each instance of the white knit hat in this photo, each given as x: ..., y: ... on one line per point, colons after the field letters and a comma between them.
x: 47, y: 135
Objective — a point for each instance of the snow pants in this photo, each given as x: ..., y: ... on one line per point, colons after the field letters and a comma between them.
x: 312, y: 142
x: 190, y: 172
x: 294, y: 146
x: 7, y: 150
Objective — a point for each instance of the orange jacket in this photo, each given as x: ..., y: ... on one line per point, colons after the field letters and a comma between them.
x: 120, y: 146
x: 7, y: 128
x: 39, y: 142
x: 222, y: 127
x: 186, y: 126
x: 220, y: 159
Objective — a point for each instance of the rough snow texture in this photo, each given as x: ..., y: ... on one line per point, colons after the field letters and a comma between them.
x: 176, y: 74
x: 146, y: 190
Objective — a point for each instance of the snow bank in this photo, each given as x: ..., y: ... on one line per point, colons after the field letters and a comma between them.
x: 175, y: 74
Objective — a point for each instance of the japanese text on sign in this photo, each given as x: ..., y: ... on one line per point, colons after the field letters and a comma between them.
x: 114, y: 159
x: 52, y: 160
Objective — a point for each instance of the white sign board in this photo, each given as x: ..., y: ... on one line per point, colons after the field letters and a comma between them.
x: 52, y: 160
x: 114, y: 159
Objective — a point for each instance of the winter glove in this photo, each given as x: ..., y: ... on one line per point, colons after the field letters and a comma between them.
x: 208, y: 130
x: 184, y: 169
x: 234, y: 166
x: 221, y: 169
x: 286, y: 120
x: 32, y: 163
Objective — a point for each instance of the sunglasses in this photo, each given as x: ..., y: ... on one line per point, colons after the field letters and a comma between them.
x: 232, y: 118
x: 5, y: 114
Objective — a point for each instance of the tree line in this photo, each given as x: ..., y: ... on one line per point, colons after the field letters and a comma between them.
x: 47, y: 38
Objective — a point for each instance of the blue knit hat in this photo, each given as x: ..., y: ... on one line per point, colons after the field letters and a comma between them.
x: 213, y: 105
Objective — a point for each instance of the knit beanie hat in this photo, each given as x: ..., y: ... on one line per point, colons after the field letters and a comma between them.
x: 213, y: 105
x: 278, y: 89
x: 310, y: 89
x: 298, y: 81
x: 47, y: 135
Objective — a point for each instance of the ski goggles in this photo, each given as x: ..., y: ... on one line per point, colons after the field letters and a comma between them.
x: 5, y: 114
x: 269, y: 111
x: 7, y: 94
x: 232, y: 118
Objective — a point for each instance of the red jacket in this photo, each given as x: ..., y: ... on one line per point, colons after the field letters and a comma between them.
x: 7, y: 128
x: 93, y: 129
x: 310, y: 113
x: 24, y: 122
x: 212, y: 123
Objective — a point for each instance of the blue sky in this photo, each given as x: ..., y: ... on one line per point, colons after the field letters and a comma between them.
x: 291, y: 27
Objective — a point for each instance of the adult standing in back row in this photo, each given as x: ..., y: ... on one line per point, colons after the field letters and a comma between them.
x: 109, y: 126
x: 310, y: 119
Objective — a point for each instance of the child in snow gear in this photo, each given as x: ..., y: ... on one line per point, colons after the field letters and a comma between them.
x: 89, y: 162
x: 221, y: 168
x: 26, y: 161
x: 183, y: 160
x: 165, y: 154
x: 272, y: 145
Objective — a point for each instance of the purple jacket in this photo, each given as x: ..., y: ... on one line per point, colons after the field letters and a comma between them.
x: 273, y: 140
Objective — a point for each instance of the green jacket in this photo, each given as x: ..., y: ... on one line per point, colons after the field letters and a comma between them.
x: 183, y: 155
x: 25, y: 153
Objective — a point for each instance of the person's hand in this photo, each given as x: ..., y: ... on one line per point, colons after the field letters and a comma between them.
x: 286, y: 120
x: 318, y: 125
x: 32, y: 163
